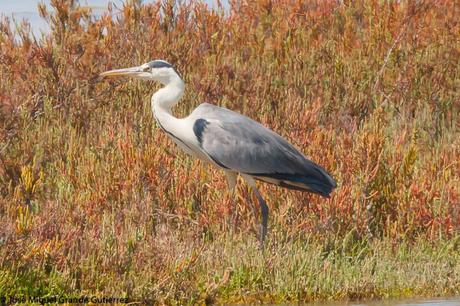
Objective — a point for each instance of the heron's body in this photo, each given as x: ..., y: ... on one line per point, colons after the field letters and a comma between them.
x: 231, y: 141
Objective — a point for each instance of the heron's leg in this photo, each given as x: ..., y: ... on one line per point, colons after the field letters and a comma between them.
x: 264, y: 223
x: 231, y: 181
x: 263, y: 210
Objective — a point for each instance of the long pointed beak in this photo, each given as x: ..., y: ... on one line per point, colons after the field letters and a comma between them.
x: 133, y: 71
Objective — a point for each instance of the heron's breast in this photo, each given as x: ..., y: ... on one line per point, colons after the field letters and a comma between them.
x: 186, y: 148
x: 186, y: 143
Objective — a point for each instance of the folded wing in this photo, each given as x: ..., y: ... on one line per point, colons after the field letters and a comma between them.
x: 240, y: 144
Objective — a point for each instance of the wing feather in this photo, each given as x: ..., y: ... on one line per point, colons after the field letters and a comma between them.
x: 241, y: 144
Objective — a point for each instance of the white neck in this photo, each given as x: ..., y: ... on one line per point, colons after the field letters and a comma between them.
x: 164, y: 99
x: 168, y: 96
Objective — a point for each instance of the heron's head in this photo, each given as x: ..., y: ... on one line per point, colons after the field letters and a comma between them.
x: 157, y: 70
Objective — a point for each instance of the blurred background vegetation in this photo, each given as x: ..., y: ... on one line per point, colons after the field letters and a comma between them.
x: 94, y: 198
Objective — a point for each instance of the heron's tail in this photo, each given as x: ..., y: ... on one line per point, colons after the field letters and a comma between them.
x: 315, y: 180
x: 323, y: 188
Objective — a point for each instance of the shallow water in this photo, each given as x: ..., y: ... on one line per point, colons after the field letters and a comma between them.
x: 403, y: 302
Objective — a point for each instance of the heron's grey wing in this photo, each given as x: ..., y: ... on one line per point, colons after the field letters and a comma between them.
x: 241, y: 144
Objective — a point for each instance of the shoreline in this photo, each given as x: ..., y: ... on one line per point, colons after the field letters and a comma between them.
x: 229, y: 271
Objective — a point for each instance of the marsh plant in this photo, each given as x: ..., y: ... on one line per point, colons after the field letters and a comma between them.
x: 95, y: 199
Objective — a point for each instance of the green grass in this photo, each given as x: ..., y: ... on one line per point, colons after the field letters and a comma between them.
x: 233, y: 270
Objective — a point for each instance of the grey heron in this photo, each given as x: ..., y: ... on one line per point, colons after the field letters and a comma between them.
x: 230, y: 141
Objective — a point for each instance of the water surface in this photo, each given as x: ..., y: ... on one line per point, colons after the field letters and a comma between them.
x: 402, y: 302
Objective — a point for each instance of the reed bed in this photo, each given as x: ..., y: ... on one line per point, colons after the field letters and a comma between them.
x: 95, y: 199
